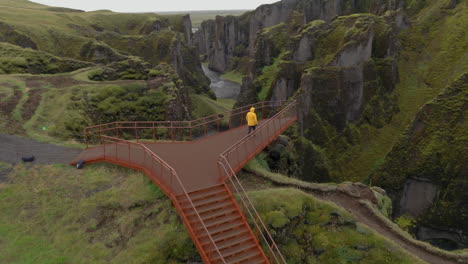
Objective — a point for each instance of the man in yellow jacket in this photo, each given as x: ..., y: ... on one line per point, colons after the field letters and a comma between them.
x: 252, y: 121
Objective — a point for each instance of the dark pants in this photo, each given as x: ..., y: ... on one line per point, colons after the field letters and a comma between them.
x: 252, y: 128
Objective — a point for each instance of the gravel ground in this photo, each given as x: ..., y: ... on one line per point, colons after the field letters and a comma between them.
x: 12, y: 148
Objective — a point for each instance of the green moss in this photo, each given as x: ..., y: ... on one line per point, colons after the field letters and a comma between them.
x: 233, y: 76
x: 405, y: 222
x: 434, y: 148
x: 303, y: 226
x: 431, y: 57
x: 100, y: 215
x: 264, y: 81
x: 14, y: 59
x: 205, y: 106
x: 277, y: 219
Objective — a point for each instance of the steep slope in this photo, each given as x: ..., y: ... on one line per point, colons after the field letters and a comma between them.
x: 225, y: 38
x: 361, y: 79
x: 425, y: 172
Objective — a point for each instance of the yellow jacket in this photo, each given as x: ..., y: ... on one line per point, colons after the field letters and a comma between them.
x: 252, y: 117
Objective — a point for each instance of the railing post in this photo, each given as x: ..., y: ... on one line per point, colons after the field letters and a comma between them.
x: 136, y: 132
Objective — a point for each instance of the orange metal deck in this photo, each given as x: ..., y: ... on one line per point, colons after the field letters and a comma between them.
x: 196, y: 175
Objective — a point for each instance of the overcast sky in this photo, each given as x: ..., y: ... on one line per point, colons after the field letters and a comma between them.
x: 156, y: 5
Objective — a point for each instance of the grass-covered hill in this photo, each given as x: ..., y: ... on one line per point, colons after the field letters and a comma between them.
x: 73, y: 56
x: 106, y: 214
x: 101, y: 37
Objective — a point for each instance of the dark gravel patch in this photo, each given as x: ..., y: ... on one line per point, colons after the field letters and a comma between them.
x: 12, y: 148
x: 4, y: 175
x: 8, y: 106
x: 29, y: 108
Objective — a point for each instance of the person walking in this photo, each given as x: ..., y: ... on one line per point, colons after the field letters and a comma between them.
x: 252, y: 121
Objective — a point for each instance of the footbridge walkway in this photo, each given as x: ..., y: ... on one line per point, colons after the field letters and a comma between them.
x: 195, y: 164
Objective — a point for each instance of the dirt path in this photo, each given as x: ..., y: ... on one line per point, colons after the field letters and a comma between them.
x: 362, y: 213
x: 12, y: 148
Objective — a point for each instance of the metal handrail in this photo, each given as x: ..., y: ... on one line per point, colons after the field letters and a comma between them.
x: 205, y: 121
x: 258, y: 222
x: 230, y: 174
x: 255, y: 215
x: 247, y: 137
x: 171, y: 194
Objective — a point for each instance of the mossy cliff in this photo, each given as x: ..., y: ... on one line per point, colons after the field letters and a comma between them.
x: 345, y: 71
x: 425, y: 172
x: 225, y: 38
x: 361, y: 79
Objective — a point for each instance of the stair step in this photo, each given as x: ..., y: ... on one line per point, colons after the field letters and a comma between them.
x: 204, y: 202
x: 232, y: 233
x: 233, y: 241
x: 251, y: 256
x: 218, y: 232
x: 207, y: 216
x: 211, y: 207
x: 218, y: 221
x: 255, y: 260
x: 239, y: 253
x: 205, y: 192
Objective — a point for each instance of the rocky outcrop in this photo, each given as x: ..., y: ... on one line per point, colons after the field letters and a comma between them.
x: 187, y: 23
x: 10, y: 35
x: 434, y: 149
x: 99, y: 53
x: 185, y: 60
x: 219, y: 39
x: 353, y: 75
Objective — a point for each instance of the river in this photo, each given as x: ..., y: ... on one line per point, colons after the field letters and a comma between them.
x: 221, y: 87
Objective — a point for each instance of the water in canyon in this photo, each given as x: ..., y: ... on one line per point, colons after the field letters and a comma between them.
x: 221, y: 87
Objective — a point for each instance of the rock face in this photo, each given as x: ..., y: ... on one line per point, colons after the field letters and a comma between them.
x: 222, y: 38
x: 10, y: 35
x: 433, y: 149
x: 343, y: 72
x: 99, y: 53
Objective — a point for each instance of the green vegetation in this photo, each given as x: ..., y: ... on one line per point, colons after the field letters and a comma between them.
x: 233, y: 76
x: 204, y: 106
x: 405, y: 222
x: 311, y: 231
x: 434, y: 148
x: 57, y: 214
x: 14, y: 59
x: 264, y: 82
x: 130, y: 102
x: 436, y: 34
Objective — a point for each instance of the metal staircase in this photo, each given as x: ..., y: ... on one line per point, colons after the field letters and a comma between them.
x: 212, y: 216
x: 226, y: 225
